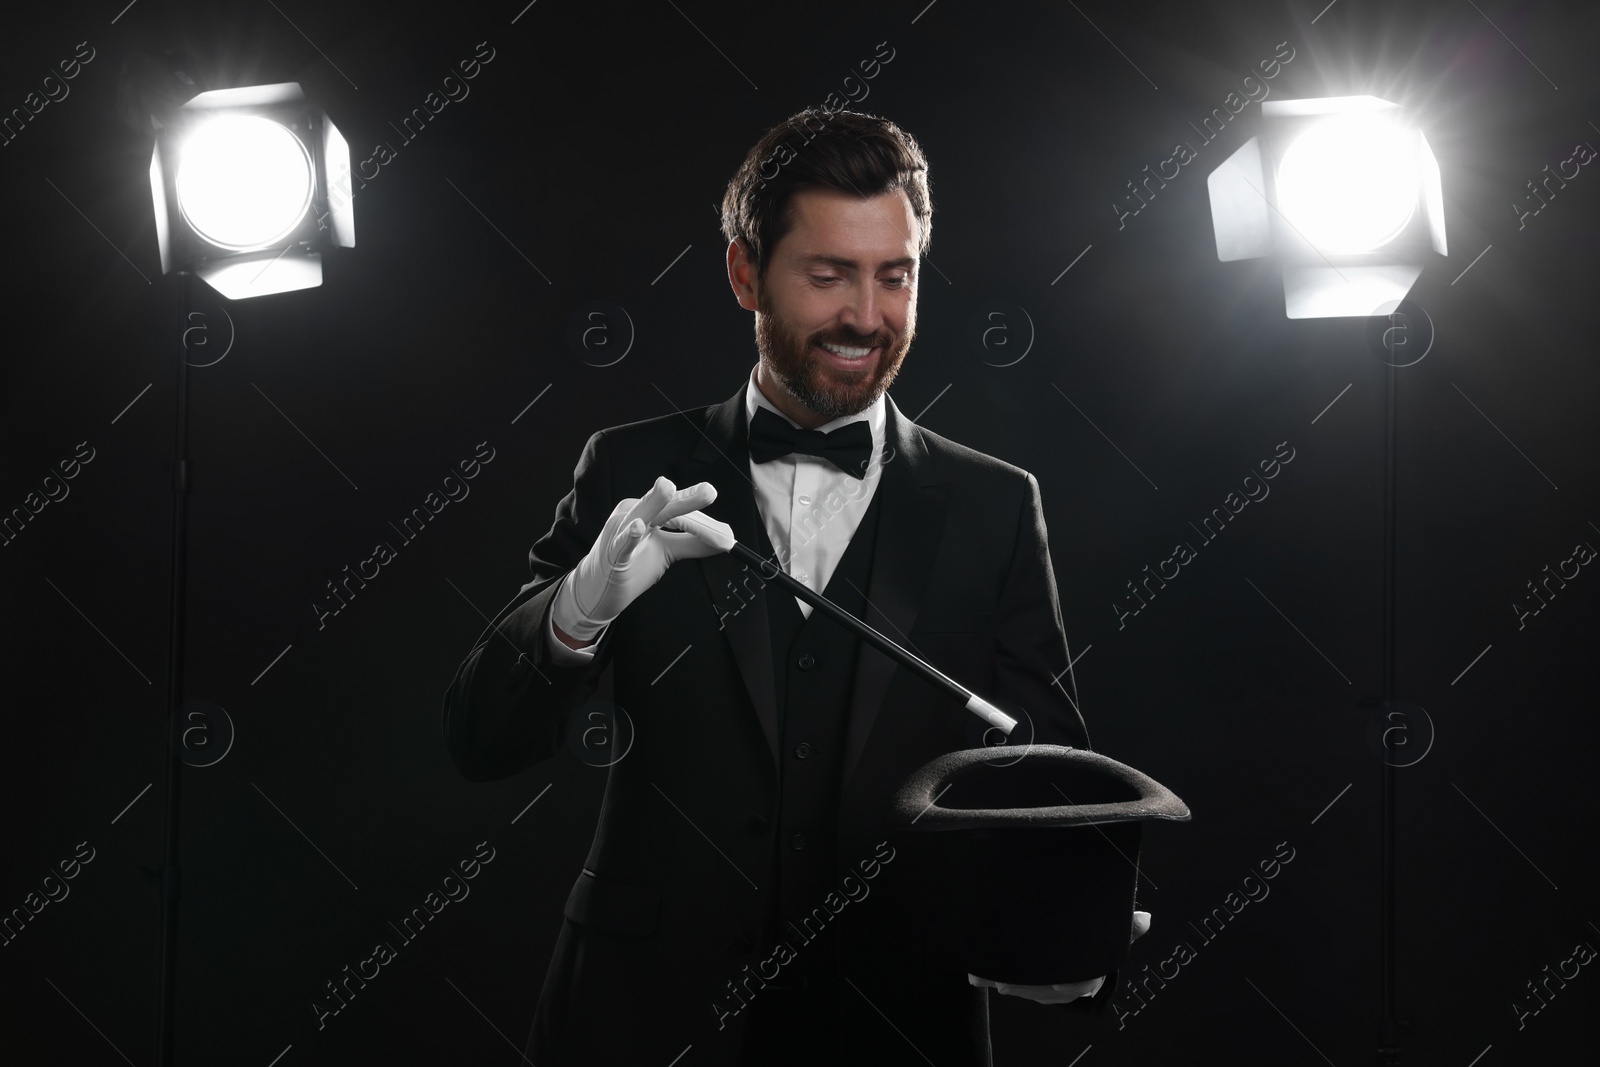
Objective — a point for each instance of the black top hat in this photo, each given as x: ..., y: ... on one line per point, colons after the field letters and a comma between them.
x: 1033, y: 859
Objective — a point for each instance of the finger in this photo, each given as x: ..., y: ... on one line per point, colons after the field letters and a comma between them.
x: 693, y: 498
x: 650, y: 505
x: 1086, y: 988
x: 627, y: 539
x: 618, y: 519
x: 682, y: 545
x: 712, y: 536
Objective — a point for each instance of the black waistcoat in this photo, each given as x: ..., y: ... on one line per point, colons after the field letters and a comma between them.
x: 814, y: 667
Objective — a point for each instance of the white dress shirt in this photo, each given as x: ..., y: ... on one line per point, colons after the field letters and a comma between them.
x: 810, y: 508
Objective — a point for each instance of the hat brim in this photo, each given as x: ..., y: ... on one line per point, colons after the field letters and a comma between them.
x: 1046, y: 786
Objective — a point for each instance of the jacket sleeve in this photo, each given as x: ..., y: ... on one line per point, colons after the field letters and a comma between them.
x: 508, y: 705
x: 1032, y: 663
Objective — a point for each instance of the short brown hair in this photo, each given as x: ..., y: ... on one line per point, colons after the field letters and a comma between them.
x: 849, y: 151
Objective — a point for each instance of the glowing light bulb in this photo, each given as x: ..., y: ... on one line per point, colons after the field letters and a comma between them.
x: 1349, y: 184
x: 243, y: 182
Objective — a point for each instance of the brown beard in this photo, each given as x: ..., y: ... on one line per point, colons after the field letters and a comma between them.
x: 822, y: 388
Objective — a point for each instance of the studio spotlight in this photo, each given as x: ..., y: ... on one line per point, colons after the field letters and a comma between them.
x: 247, y: 185
x: 1344, y: 192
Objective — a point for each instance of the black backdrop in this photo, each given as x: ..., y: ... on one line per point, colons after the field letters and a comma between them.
x: 589, y: 156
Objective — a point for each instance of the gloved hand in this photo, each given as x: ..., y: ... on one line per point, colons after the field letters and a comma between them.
x: 1063, y: 992
x: 629, y: 557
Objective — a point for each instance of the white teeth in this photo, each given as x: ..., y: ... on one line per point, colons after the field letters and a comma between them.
x: 847, y: 351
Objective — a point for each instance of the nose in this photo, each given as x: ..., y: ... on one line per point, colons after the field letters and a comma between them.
x: 863, y: 313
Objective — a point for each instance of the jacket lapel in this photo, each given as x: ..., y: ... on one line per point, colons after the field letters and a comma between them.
x: 910, y: 528
x: 722, y: 458
x: 911, y: 523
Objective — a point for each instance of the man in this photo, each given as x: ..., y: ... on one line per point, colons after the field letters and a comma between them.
x: 742, y: 899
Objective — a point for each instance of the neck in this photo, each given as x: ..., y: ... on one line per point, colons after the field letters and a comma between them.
x: 786, y: 401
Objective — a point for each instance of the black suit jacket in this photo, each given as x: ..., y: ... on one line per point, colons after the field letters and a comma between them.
x: 670, y: 904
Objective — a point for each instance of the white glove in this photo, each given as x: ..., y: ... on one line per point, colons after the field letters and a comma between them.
x: 1063, y: 992
x: 630, y: 555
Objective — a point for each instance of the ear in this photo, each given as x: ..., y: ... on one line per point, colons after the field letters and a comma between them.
x: 742, y: 274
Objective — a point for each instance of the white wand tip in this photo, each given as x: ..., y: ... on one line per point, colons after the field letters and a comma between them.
x: 991, y: 714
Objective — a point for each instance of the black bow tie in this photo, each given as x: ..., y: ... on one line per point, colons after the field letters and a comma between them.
x: 849, y: 447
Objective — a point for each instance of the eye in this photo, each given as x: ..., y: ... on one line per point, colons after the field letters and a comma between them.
x: 899, y: 281
x: 824, y: 279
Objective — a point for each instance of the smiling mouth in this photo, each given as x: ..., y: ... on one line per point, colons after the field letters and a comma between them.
x: 848, y: 356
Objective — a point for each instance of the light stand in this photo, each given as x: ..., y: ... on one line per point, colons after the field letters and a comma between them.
x: 1349, y: 199
x: 250, y: 187
x: 1389, y: 1031
x: 174, y: 775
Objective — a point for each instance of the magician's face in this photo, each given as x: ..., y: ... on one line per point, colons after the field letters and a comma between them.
x: 837, y: 308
